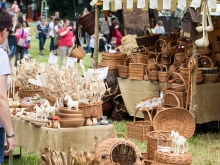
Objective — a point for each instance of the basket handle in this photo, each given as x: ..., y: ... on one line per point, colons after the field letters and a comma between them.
x: 142, y: 47
x: 160, y: 54
x: 127, y: 58
x: 177, y: 99
x: 119, y: 133
x: 151, y: 121
x: 163, y: 66
x: 153, y: 64
x: 159, y: 135
x: 180, y: 78
x: 212, y: 65
x: 164, y: 42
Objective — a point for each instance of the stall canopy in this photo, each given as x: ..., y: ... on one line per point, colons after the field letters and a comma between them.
x: 115, y: 5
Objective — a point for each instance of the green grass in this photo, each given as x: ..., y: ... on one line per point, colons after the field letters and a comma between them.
x: 205, y: 148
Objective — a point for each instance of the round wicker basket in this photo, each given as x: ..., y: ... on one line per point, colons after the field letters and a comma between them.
x: 177, y: 119
x: 118, y: 151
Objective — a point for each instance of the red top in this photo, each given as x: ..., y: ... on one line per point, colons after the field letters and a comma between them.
x: 116, y: 33
x: 66, y: 40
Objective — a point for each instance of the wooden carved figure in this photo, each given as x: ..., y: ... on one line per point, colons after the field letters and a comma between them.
x: 179, y: 143
x: 75, y: 104
x: 49, y: 109
x: 40, y: 111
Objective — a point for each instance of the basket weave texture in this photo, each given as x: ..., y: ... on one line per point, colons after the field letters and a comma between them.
x: 29, y: 93
x: 77, y: 52
x: 136, y: 71
x: 177, y: 119
x: 123, y: 70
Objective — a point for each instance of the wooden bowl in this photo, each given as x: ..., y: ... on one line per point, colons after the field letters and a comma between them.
x: 65, y: 110
x: 77, y: 122
x: 68, y: 115
x: 70, y: 119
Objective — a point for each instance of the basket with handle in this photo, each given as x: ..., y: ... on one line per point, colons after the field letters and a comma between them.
x: 153, y: 71
x: 155, y: 139
x: 88, y: 22
x: 177, y: 119
x: 179, y: 56
x: 180, y: 91
x: 215, y: 47
x: 123, y: 70
x: 136, y: 71
x: 29, y: 93
x: 210, y: 74
x: 141, y: 55
x: 77, y: 52
x: 148, y: 41
x: 163, y: 74
x: 164, y: 60
x: 206, y: 62
x: 116, y: 150
x: 138, y: 129
x: 161, y: 46
x: 161, y: 158
x: 172, y: 48
x: 119, y: 57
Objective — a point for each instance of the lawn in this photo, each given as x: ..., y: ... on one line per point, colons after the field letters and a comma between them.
x: 205, y: 148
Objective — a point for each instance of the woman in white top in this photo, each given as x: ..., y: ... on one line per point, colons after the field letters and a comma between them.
x: 159, y: 28
x: 27, y: 30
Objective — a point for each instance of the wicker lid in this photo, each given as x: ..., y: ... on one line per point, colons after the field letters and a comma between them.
x: 177, y: 119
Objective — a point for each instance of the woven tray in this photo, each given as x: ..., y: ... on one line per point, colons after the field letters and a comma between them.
x: 171, y: 159
x: 177, y: 119
x: 138, y: 129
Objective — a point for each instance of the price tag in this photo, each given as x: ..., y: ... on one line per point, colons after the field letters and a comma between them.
x: 70, y: 61
x: 102, y: 72
x: 52, y: 58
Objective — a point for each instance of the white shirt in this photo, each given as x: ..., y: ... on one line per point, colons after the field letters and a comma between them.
x: 4, y: 45
x: 4, y: 68
x: 51, y: 27
x: 159, y: 30
x: 27, y: 30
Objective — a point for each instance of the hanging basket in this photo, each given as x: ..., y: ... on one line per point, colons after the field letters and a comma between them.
x: 88, y: 22
x: 118, y: 151
x: 138, y: 129
x: 77, y: 52
x: 123, y: 70
x: 177, y: 119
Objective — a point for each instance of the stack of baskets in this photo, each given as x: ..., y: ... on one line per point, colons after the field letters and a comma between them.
x: 123, y: 70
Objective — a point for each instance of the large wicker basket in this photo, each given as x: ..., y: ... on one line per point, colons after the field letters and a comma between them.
x: 93, y: 108
x: 138, y: 129
x: 77, y: 52
x: 177, y: 119
x: 147, y: 41
x: 119, y: 57
x: 123, y: 70
x: 29, y: 93
x: 171, y: 159
x: 88, y: 22
x: 118, y: 151
x: 155, y: 139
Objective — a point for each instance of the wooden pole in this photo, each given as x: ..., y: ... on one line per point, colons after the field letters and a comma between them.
x: 96, y: 38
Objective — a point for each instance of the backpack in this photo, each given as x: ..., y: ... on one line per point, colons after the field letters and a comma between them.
x: 23, y: 9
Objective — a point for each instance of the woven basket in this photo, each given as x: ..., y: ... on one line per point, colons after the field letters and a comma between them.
x: 205, y: 61
x: 136, y: 71
x: 118, y: 151
x: 163, y: 74
x: 152, y: 57
x: 172, y: 48
x: 215, y: 47
x: 123, y: 70
x: 107, y: 107
x: 92, y: 108
x: 138, y: 129
x: 147, y: 41
x: 29, y: 93
x: 171, y: 159
x: 161, y: 46
x: 88, y: 22
x: 77, y: 52
x: 153, y: 70
x: 163, y: 60
x: 177, y: 119
x: 141, y: 55
x: 179, y: 56
x: 146, y: 161
x: 180, y: 93
x: 155, y: 139
x: 203, y: 51
x: 217, y: 57
x: 119, y: 57
x: 210, y: 75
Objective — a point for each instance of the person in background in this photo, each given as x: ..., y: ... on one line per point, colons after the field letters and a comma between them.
x: 12, y: 41
x: 27, y: 30
x: 34, y: 9
x: 3, y: 5
x: 66, y: 40
x: 51, y: 33
x: 104, y: 25
x: 113, y: 17
x: 15, y: 8
x: 57, y: 14
x: 5, y: 119
x: 147, y: 30
x: 43, y: 31
x: 20, y: 33
x: 23, y: 10
x: 159, y: 29
x: 117, y: 34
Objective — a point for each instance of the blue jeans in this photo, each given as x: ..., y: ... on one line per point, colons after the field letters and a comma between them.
x: 26, y: 50
x: 13, y: 50
x: 2, y: 144
x: 88, y: 47
x: 51, y: 43
x: 42, y: 40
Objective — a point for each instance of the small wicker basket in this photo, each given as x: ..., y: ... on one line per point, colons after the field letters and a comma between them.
x: 123, y: 70
x: 136, y: 71
x: 92, y: 108
x: 153, y: 70
x: 77, y: 52
x: 29, y: 93
x: 163, y: 74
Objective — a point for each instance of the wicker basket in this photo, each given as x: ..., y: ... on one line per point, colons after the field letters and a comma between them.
x: 179, y: 56
x: 92, y: 108
x: 210, y: 75
x: 217, y: 57
x: 180, y: 93
x: 205, y: 61
x: 107, y: 107
x: 163, y: 74
x: 161, y: 46
x: 29, y: 107
x: 203, y: 51
x: 152, y: 57
x: 88, y: 22
x: 177, y: 119
x: 147, y: 41
x: 153, y: 70
x: 141, y: 55
x: 146, y: 161
x: 51, y: 100
x: 118, y: 151
x: 136, y: 71
x: 155, y: 139
x: 29, y: 93
x: 77, y: 52
x: 215, y: 47
x: 119, y: 57
x: 123, y: 70
x: 138, y: 129
x: 163, y: 60
x: 172, y: 48
x: 171, y: 159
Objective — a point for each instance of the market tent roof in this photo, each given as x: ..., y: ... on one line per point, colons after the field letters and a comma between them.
x: 145, y: 6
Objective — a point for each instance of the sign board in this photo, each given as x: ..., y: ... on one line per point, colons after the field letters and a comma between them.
x: 103, y: 72
x: 52, y: 58
x: 70, y: 61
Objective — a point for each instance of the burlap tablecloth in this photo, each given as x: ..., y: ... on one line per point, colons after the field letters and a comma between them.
x: 207, y: 97
x: 34, y: 139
